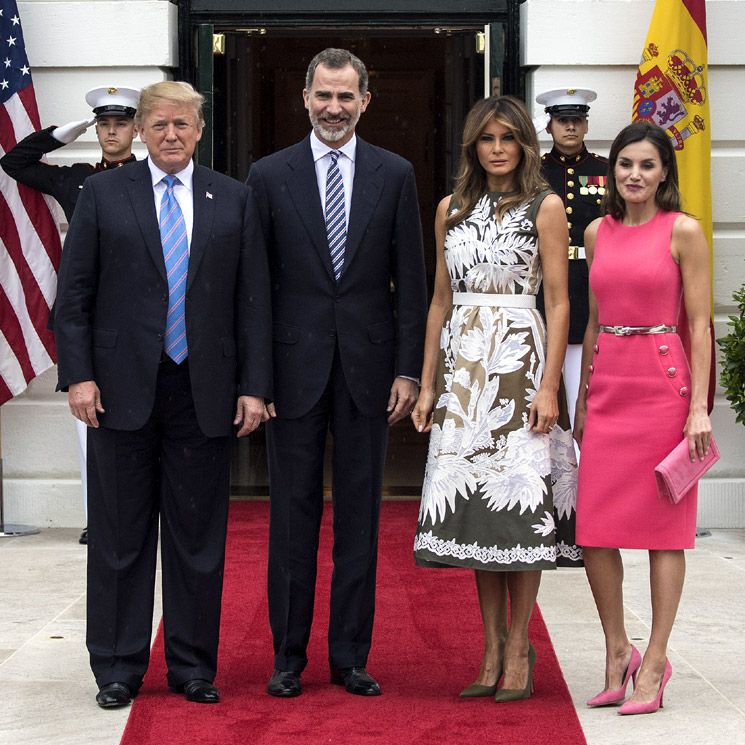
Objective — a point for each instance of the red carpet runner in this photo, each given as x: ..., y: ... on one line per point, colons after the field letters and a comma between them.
x: 427, y: 646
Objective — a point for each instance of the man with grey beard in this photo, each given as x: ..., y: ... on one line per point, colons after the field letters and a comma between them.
x: 341, y: 224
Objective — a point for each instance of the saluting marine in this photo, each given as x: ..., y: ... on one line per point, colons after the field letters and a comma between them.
x: 578, y: 177
x: 113, y: 114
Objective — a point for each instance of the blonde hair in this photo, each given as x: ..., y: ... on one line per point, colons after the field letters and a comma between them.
x: 471, y: 181
x: 169, y: 93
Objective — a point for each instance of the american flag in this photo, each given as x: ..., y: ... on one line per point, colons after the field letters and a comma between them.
x: 29, y: 239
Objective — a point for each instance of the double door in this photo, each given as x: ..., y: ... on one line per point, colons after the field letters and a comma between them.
x: 423, y: 81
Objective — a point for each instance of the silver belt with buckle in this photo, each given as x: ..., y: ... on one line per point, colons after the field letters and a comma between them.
x: 577, y: 252
x: 631, y: 330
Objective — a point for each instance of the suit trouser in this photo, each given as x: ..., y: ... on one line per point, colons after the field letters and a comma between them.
x: 296, y: 451
x: 166, y: 469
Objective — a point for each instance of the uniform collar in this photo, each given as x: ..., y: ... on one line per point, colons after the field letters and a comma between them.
x: 568, y: 161
x: 105, y: 165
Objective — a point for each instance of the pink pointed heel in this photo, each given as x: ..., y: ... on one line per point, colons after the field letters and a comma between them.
x: 612, y: 697
x: 630, y: 707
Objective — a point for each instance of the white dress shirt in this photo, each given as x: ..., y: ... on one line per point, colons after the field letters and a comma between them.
x: 182, y: 191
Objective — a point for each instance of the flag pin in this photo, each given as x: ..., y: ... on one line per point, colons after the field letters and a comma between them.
x: 208, y: 195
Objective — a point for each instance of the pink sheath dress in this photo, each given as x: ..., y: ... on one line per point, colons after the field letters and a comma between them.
x: 638, y: 396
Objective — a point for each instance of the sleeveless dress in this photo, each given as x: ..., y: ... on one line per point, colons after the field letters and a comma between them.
x: 638, y: 394
x: 494, y: 493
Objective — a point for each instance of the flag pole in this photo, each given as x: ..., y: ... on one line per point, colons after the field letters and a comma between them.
x: 10, y: 531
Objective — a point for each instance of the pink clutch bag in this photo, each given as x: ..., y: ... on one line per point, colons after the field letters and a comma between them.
x: 677, y: 474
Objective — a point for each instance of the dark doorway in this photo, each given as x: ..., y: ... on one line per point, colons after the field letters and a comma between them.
x: 422, y: 85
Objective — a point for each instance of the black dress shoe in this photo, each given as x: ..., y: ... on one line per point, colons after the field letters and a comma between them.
x: 111, y: 695
x: 356, y: 680
x: 284, y: 684
x: 199, y: 691
x: 83, y: 536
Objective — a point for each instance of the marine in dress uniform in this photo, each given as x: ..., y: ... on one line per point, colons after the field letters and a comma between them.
x: 578, y: 177
x: 113, y: 114
x: 24, y: 161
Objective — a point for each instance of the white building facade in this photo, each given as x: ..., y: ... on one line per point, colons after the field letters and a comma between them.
x: 75, y: 46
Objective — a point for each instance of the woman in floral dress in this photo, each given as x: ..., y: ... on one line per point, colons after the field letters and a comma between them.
x: 501, y: 460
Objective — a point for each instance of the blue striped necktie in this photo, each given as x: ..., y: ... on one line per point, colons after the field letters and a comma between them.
x: 176, y: 255
x: 336, y: 219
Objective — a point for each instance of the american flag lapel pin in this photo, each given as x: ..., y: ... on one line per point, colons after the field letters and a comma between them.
x: 208, y: 195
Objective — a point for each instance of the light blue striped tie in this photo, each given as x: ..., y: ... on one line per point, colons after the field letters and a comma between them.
x: 176, y: 255
x: 336, y: 219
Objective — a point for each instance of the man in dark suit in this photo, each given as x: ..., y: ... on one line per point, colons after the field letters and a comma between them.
x: 163, y: 320
x: 341, y: 223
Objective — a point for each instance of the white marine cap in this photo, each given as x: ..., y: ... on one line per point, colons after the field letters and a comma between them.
x: 112, y: 101
x: 567, y: 101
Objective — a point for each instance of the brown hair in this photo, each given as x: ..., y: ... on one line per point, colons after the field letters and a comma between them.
x: 668, y: 194
x: 471, y: 182
x: 169, y: 93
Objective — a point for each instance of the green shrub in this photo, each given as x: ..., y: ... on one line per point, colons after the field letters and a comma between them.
x: 733, y: 358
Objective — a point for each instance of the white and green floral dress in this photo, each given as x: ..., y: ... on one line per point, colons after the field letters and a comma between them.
x: 495, y: 495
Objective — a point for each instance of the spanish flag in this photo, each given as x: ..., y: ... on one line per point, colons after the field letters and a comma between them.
x: 671, y: 90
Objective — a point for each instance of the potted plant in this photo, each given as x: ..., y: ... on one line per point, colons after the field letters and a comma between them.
x: 733, y: 358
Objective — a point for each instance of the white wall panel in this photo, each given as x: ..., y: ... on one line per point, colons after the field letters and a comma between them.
x: 728, y: 185
x: 52, y: 439
x: 582, y: 32
x: 612, y: 32
x: 91, y: 34
x: 729, y: 268
x: 727, y: 100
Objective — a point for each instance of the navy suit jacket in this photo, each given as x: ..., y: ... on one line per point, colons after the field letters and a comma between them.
x: 113, y: 298
x: 312, y: 313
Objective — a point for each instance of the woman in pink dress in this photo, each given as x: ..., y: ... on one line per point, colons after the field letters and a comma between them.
x: 639, y: 398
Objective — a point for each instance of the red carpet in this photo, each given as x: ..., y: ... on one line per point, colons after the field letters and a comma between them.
x: 426, y: 647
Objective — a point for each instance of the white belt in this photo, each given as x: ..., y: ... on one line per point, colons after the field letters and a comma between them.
x: 504, y: 301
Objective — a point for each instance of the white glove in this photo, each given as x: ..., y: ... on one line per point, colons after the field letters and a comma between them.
x: 540, y: 122
x: 68, y: 133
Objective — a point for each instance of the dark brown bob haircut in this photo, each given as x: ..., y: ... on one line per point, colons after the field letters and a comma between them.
x: 668, y: 194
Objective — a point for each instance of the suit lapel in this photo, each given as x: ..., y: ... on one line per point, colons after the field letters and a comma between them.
x: 366, y: 191
x: 204, y: 212
x: 143, y: 204
x: 302, y: 186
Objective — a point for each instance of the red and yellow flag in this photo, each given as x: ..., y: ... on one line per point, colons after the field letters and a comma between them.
x: 671, y: 90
